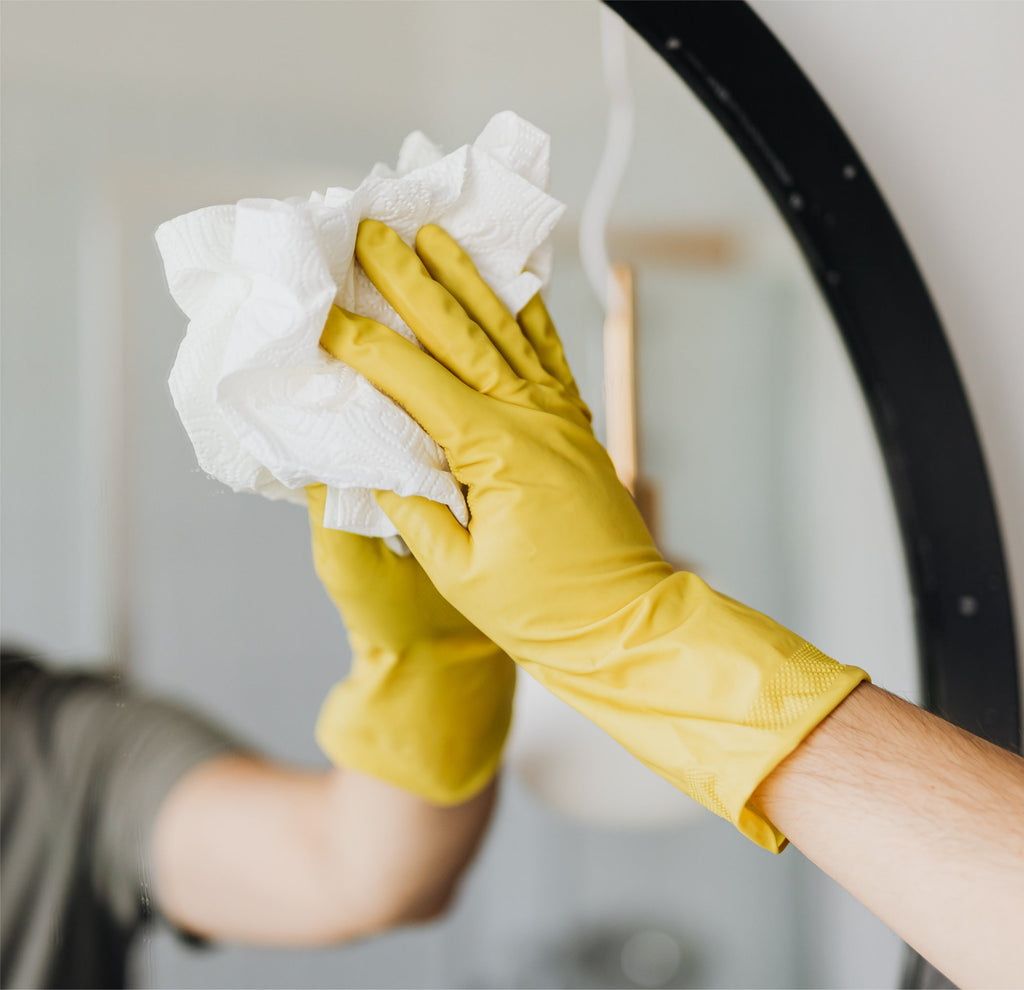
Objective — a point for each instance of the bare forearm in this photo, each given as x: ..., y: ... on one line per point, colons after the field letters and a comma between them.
x: 405, y: 860
x: 921, y: 822
x: 251, y: 852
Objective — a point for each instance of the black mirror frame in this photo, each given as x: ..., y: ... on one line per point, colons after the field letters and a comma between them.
x: 863, y: 266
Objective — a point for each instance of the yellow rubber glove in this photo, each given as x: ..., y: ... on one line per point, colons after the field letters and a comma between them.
x: 428, y: 702
x: 557, y: 565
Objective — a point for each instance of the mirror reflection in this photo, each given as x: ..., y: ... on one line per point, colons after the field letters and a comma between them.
x: 742, y: 428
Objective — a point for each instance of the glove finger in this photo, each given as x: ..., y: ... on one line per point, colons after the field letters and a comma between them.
x: 539, y: 329
x: 435, y: 537
x: 438, y: 321
x: 454, y: 269
x: 432, y: 395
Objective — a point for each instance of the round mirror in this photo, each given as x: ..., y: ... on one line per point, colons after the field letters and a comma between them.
x: 749, y: 442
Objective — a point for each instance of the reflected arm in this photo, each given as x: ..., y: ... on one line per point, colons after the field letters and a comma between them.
x: 248, y: 851
x: 922, y: 822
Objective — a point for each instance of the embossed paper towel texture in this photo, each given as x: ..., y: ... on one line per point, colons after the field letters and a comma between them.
x: 266, y: 408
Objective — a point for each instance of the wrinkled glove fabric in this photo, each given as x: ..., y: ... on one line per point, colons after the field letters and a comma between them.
x: 556, y: 565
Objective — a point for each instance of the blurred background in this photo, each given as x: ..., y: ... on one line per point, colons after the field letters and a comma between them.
x: 753, y: 437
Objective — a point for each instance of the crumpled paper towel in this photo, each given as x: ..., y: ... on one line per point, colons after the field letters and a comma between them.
x: 266, y: 408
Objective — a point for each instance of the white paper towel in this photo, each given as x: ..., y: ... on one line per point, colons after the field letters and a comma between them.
x: 266, y: 409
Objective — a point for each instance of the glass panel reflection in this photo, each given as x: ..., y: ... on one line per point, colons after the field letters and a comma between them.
x: 752, y: 438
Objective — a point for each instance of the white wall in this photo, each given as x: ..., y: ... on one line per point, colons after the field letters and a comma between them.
x: 932, y: 95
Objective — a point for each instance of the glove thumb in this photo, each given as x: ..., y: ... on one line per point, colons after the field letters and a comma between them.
x: 435, y: 537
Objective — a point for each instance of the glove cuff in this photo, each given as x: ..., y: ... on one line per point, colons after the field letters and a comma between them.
x: 801, y: 692
x: 431, y: 720
x: 707, y: 692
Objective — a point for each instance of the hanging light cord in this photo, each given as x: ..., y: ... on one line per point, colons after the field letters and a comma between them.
x: 613, y: 162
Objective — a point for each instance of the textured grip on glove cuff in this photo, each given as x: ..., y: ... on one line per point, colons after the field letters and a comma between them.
x: 707, y: 692
x: 802, y: 692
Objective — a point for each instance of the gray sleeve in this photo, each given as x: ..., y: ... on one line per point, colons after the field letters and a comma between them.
x: 137, y: 748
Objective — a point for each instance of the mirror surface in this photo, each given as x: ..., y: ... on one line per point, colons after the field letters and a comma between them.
x: 752, y: 434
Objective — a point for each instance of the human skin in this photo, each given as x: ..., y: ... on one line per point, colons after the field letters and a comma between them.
x: 919, y: 820
x: 249, y: 851
x: 922, y: 822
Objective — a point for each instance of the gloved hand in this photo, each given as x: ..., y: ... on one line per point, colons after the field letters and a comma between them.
x: 557, y: 565
x: 428, y: 702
